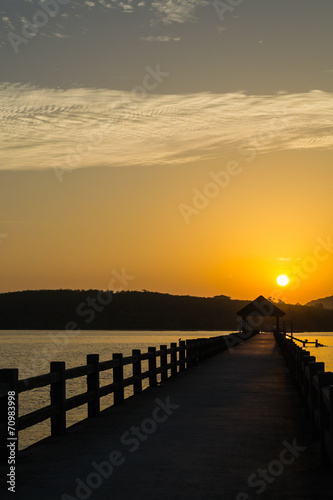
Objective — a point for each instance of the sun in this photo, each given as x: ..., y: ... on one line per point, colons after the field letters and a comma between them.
x: 282, y: 280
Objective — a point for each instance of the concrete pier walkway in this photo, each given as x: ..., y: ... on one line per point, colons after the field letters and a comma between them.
x: 229, y: 429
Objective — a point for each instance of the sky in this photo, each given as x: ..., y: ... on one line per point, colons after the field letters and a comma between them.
x: 179, y: 146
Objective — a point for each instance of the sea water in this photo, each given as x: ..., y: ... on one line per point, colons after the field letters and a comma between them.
x: 324, y: 353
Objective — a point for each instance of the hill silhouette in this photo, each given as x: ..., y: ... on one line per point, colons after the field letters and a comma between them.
x: 138, y: 310
x: 325, y: 303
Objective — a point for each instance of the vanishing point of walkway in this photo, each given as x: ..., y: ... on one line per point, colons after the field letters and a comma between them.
x: 232, y: 430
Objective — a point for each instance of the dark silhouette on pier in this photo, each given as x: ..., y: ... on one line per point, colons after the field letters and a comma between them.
x: 258, y: 309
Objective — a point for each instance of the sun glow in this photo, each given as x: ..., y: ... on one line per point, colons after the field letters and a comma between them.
x: 282, y: 280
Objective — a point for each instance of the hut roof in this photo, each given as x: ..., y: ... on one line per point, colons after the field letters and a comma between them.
x: 260, y: 307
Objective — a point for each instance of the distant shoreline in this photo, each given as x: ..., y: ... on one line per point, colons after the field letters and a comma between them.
x: 73, y: 310
x: 148, y: 330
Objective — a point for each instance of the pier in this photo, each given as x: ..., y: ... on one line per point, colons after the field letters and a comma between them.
x: 232, y: 427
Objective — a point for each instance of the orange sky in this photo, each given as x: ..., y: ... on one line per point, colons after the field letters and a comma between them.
x: 193, y: 150
x: 268, y: 220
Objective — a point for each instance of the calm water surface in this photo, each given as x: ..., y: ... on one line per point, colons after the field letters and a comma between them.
x: 32, y: 351
x: 325, y: 353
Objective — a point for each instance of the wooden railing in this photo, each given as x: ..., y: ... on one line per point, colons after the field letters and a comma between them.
x: 304, y: 342
x: 173, y: 360
x: 315, y: 388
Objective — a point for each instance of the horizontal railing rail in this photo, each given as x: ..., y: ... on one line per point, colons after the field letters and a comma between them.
x: 304, y: 342
x: 315, y: 388
x: 175, y: 359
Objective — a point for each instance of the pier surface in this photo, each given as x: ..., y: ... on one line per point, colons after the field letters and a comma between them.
x: 229, y: 429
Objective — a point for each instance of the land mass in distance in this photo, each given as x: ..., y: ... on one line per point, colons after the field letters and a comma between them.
x: 139, y: 310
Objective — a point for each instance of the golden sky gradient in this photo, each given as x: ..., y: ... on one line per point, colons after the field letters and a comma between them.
x: 191, y: 151
x: 263, y: 223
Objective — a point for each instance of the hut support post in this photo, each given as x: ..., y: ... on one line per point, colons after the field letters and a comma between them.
x: 277, y: 324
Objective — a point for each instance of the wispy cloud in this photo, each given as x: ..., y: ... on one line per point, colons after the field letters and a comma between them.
x: 41, y: 127
x: 160, y: 38
x: 165, y: 12
x: 176, y: 11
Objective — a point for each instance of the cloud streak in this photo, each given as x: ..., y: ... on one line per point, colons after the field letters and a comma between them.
x: 41, y: 128
x: 35, y: 18
x: 176, y: 11
x: 158, y: 12
x: 160, y: 38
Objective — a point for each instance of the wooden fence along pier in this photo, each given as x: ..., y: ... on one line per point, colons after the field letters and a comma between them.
x: 315, y: 389
x: 236, y: 413
x: 157, y: 366
x: 306, y: 342
x: 165, y: 362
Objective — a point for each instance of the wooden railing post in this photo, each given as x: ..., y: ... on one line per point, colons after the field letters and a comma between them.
x: 152, y: 367
x: 195, y: 352
x: 58, y: 398
x: 330, y: 424
x: 211, y: 347
x: 8, y: 390
x: 206, y: 351
x: 118, y: 378
x: 182, y: 353
x: 93, y: 385
x: 217, y: 345
x: 199, y: 350
x: 206, y: 348
x: 174, y: 370
x: 137, y: 384
x: 324, y: 379
x: 164, y: 362
x: 314, y: 369
x: 305, y: 383
x: 189, y: 353
x: 299, y: 380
